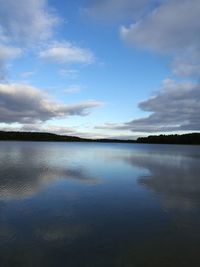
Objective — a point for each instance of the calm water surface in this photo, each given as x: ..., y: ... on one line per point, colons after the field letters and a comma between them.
x: 84, y: 204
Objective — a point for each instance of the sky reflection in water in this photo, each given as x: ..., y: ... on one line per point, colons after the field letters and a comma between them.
x: 99, y: 204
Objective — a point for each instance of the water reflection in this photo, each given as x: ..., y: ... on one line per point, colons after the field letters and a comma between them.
x: 175, y: 176
x: 25, y: 171
x: 144, y: 200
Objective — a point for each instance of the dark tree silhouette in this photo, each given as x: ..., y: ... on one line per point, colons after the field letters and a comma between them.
x: 192, y: 138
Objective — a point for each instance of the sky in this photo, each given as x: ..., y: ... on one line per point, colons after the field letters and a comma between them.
x: 100, y: 68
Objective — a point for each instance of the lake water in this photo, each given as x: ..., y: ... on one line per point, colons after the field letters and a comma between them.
x: 90, y: 204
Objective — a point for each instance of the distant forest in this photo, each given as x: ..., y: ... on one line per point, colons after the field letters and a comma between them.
x: 36, y: 136
x: 192, y: 138
x: 39, y: 136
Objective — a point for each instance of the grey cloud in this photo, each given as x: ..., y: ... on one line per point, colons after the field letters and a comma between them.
x: 26, y: 104
x: 111, y: 126
x: 115, y: 9
x: 187, y: 65
x: 173, y: 26
x: 26, y: 21
x: 176, y: 107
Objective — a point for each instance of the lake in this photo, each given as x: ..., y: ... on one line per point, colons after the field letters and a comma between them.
x: 96, y: 204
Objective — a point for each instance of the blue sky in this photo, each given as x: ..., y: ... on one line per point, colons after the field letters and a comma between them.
x: 106, y: 68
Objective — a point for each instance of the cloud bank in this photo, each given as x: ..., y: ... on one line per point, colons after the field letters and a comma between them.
x: 173, y: 29
x: 173, y: 26
x: 26, y: 104
x: 175, y: 107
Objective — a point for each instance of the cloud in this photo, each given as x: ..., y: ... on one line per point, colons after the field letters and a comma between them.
x: 114, y: 9
x: 107, y: 135
x: 7, y: 53
x: 176, y: 107
x: 41, y: 127
x: 69, y: 73
x: 187, y: 65
x: 23, y: 23
x: 28, y: 74
x: 67, y: 53
x: 111, y: 126
x: 172, y: 27
x: 26, y: 104
x: 26, y: 21
x: 73, y: 89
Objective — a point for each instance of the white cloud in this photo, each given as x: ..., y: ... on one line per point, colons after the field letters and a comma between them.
x: 28, y: 74
x: 112, y: 126
x: 39, y: 127
x: 23, y: 23
x: 42, y: 127
x: 26, y: 21
x: 7, y: 53
x: 73, y: 89
x: 69, y: 73
x: 23, y: 103
x: 67, y: 53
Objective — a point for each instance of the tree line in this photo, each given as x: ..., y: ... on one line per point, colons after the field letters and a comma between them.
x: 191, y: 138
